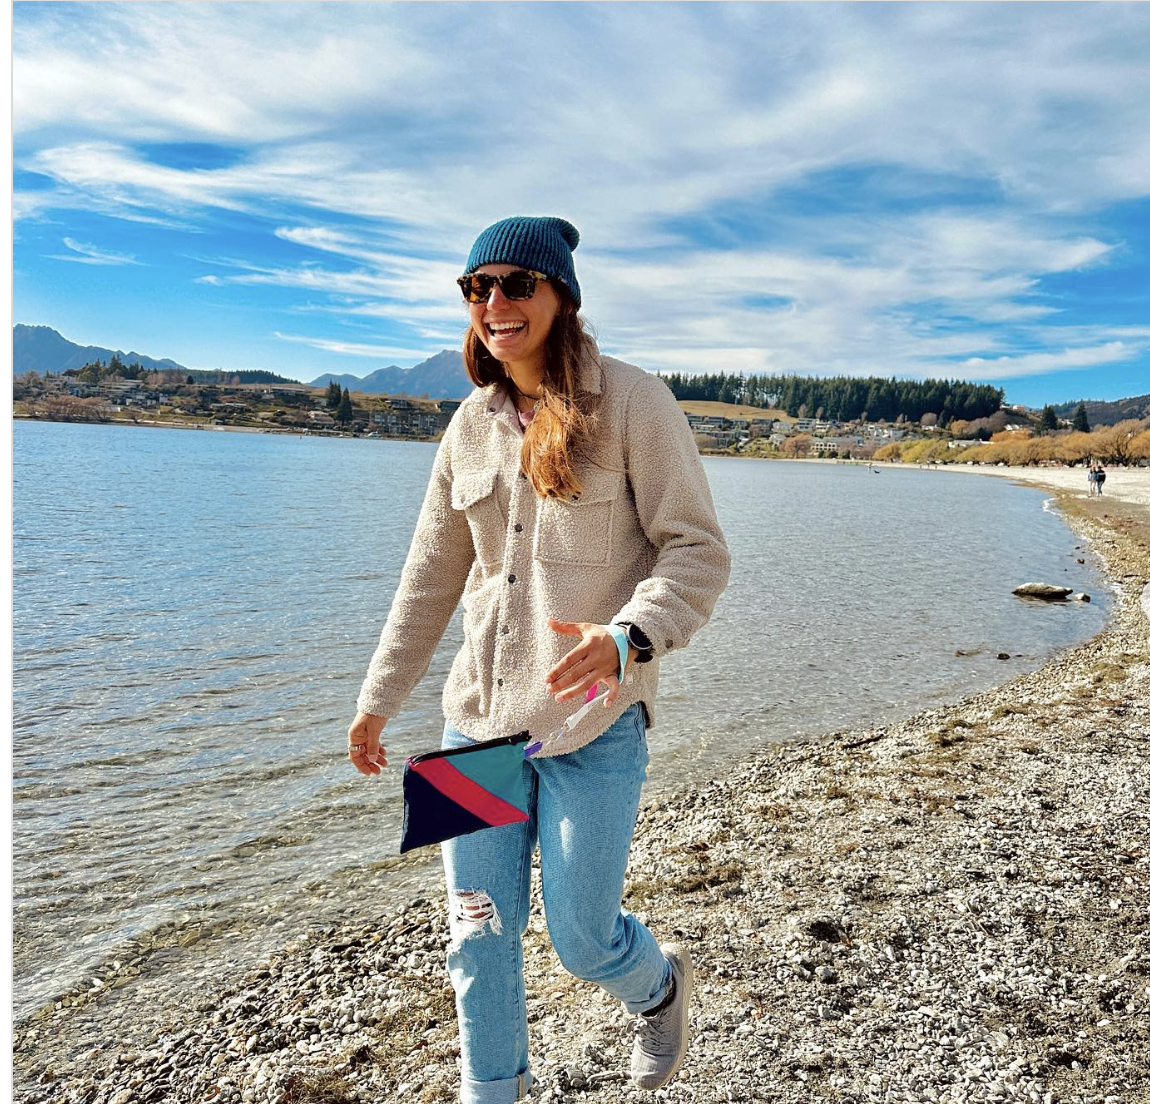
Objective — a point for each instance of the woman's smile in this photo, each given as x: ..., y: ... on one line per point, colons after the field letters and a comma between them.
x: 503, y: 331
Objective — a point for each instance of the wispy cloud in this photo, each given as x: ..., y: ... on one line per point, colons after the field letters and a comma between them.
x: 349, y: 348
x: 1032, y: 364
x: 82, y: 253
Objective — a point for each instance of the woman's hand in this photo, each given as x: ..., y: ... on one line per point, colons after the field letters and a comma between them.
x: 363, y: 743
x: 593, y: 660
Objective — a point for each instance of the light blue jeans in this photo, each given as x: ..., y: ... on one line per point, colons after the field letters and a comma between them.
x: 583, y: 807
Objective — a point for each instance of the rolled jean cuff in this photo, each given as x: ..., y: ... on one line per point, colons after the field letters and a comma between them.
x: 506, y: 1091
x: 635, y: 1008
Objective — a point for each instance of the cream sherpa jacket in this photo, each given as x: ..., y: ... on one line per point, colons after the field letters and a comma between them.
x: 641, y: 543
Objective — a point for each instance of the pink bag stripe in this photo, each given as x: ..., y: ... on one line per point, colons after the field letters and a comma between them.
x: 470, y: 795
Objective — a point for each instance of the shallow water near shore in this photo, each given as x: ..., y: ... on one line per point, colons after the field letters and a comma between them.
x: 194, y: 612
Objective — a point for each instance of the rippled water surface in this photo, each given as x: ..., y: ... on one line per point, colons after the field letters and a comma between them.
x: 194, y: 611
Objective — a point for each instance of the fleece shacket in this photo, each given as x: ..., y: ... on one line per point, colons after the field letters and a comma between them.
x: 641, y: 543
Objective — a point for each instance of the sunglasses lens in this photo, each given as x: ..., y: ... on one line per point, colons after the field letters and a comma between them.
x: 477, y: 288
x: 519, y: 285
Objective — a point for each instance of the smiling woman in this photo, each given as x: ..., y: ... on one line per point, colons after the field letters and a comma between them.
x: 567, y: 502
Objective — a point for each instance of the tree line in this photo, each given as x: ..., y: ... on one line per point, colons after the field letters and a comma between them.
x: 97, y: 371
x: 1127, y: 442
x: 844, y: 398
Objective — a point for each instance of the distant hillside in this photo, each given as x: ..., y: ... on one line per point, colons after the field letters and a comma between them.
x: 1108, y: 413
x: 42, y: 349
x: 730, y: 410
x: 439, y: 377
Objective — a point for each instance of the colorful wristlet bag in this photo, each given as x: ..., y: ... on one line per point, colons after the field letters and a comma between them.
x: 461, y: 790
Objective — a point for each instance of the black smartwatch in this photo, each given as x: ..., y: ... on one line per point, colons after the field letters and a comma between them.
x: 638, y: 640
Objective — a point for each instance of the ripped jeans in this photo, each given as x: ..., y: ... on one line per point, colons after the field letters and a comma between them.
x: 583, y: 807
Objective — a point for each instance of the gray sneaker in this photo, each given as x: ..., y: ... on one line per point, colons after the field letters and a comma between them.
x: 661, y: 1039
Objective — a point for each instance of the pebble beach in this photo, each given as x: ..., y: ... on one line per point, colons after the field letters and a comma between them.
x: 951, y: 909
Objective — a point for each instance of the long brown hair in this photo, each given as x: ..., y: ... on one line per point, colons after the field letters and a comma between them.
x: 563, y: 420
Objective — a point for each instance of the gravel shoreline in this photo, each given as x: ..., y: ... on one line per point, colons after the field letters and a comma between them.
x: 951, y: 909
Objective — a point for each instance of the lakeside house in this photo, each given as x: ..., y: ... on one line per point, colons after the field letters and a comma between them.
x: 823, y: 445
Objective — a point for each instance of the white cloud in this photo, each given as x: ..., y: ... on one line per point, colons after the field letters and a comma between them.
x: 83, y: 253
x: 349, y: 348
x: 1033, y: 364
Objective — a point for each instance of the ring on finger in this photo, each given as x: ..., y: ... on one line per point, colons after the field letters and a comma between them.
x: 356, y: 747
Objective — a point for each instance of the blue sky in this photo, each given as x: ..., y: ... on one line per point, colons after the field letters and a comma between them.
x: 913, y: 190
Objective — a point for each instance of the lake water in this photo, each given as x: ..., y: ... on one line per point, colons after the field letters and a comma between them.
x: 194, y: 612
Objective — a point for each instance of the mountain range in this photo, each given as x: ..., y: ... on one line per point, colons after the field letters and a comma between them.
x: 42, y: 349
x: 439, y: 377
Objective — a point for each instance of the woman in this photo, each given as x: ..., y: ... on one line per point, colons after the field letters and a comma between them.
x: 569, y: 510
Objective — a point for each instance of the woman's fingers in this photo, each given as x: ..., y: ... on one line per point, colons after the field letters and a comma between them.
x: 612, y: 684
x: 363, y: 747
x: 571, y: 675
x: 568, y: 628
x: 579, y: 690
x: 596, y: 647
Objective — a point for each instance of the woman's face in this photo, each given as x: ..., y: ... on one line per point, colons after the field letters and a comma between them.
x: 515, y: 330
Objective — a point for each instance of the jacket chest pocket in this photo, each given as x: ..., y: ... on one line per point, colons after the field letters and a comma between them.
x: 474, y: 494
x: 577, y: 531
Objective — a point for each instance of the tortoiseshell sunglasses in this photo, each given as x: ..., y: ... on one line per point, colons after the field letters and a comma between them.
x: 519, y: 284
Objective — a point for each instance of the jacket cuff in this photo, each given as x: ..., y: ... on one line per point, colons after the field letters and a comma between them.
x: 373, y: 702
x: 654, y: 627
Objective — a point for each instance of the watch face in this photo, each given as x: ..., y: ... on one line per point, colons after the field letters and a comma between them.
x: 638, y: 638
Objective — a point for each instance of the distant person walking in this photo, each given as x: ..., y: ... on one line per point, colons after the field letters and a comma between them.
x: 569, y: 510
x: 1091, y: 481
x: 1099, y: 478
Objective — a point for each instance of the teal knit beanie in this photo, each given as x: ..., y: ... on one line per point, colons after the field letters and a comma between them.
x: 541, y: 244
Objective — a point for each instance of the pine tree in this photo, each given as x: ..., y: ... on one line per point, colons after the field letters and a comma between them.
x: 1081, y: 421
x: 1048, y: 420
x: 344, y: 414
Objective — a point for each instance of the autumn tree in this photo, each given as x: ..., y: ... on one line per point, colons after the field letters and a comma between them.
x: 1140, y: 446
x: 798, y: 445
x: 1074, y: 447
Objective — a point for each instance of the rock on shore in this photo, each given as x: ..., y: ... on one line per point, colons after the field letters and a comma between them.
x: 954, y: 909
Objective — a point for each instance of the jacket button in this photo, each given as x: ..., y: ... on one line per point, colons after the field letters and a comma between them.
x: 498, y: 682
x: 522, y: 475
x: 511, y: 578
x: 505, y: 630
x: 518, y: 528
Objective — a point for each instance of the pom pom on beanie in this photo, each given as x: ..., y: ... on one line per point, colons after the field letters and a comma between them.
x: 541, y: 244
